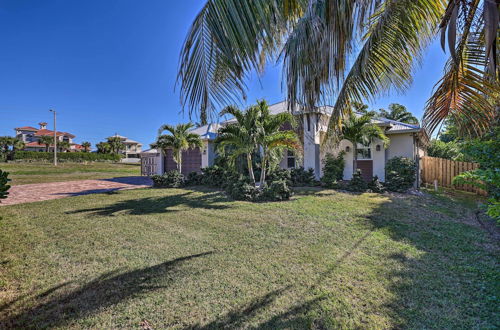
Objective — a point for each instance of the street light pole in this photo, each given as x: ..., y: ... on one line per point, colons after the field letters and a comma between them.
x: 55, y: 137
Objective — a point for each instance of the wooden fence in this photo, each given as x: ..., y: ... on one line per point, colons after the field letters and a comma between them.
x: 444, y: 170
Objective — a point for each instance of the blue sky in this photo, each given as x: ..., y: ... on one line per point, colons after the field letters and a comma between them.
x: 109, y: 66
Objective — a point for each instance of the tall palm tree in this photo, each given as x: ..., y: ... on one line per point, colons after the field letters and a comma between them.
x: 47, y: 141
x: 315, y: 38
x: 361, y: 130
x: 399, y: 113
x: 115, y: 144
x: 179, y: 140
x: 242, y: 135
x: 103, y: 148
x: 86, y: 146
x: 273, y: 140
x: 5, y: 143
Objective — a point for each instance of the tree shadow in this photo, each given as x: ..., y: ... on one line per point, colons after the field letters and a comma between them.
x: 152, y: 205
x: 108, y: 289
x: 131, y: 180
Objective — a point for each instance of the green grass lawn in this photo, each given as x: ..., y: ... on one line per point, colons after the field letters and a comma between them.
x: 194, y: 259
x: 23, y: 173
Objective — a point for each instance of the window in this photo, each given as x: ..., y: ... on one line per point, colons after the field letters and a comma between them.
x: 364, y: 151
x: 290, y: 158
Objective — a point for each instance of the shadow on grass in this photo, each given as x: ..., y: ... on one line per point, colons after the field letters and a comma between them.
x: 152, y: 205
x: 107, y: 290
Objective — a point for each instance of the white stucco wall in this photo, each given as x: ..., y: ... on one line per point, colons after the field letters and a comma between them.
x: 312, y: 143
x: 401, y: 146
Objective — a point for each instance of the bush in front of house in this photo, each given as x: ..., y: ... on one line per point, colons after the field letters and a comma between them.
x: 400, y: 174
x: 333, y: 170
x: 243, y: 190
x: 4, y: 186
x: 278, y: 190
x: 375, y: 185
x: 170, y: 179
x: 300, y: 177
x: 280, y: 174
x: 194, y: 179
x: 66, y: 156
x: 357, y: 183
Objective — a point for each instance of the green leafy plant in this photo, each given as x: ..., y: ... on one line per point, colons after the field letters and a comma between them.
x: 66, y: 156
x: 179, y: 139
x: 4, y: 186
x: 302, y: 178
x: 194, y: 179
x: 170, y: 179
x: 448, y: 150
x: 276, y: 191
x: 485, y: 151
x: 243, y: 189
x: 357, y: 183
x: 280, y: 174
x: 375, y: 185
x: 400, y: 174
x: 333, y: 169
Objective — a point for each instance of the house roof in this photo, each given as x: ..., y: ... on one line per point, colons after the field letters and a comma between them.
x: 209, y: 132
x: 125, y: 139
x: 26, y: 128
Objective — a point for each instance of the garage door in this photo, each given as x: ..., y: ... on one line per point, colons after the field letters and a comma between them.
x: 191, y: 161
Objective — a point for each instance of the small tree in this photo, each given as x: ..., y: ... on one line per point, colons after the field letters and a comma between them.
x: 86, y: 146
x: 4, y: 187
x: 360, y: 129
x: 63, y: 146
x: 47, y: 141
x: 115, y: 144
x: 103, y: 148
x: 399, y: 113
x: 179, y: 140
x: 241, y: 136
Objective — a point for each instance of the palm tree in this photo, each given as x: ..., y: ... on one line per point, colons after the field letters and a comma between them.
x: 63, y: 146
x: 242, y: 136
x: 179, y: 140
x: 47, y: 141
x: 315, y: 38
x: 86, y: 146
x: 361, y: 130
x: 272, y: 139
x: 103, y: 148
x: 115, y: 144
x: 5, y: 143
x: 399, y: 113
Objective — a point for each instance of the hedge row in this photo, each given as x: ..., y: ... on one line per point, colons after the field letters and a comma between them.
x: 65, y: 156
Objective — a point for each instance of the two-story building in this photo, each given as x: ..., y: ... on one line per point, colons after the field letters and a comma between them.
x: 31, y: 137
x: 132, y: 148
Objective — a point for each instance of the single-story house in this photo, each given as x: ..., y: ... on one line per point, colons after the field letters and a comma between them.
x: 405, y: 140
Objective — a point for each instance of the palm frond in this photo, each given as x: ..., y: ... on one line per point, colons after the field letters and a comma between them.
x: 393, y: 47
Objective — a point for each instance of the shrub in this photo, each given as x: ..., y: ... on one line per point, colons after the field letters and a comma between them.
x: 280, y: 174
x: 65, y: 156
x: 242, y: 190
x: 214, y: 176
x: 333, y: 170
x: 4, y: 187
x: 194, y: 179
x: 357, y: 182
x: 400, y: 174
x: 375, y: 185
x: 276, y: 191
x: 301, y: 177
x: 170, y: 179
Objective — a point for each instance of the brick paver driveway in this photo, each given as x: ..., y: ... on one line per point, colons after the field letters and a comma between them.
x: 28, y: 193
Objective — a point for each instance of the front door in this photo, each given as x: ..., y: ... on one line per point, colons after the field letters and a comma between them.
x: 366, y: 167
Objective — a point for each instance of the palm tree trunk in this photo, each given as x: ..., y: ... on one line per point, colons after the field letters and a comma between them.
x: 354, y: 158
x: 263, y: 168
x: 179, y: 164
x: 250, y: 168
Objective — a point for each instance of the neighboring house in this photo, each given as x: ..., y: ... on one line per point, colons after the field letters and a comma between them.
x: 132, y: 148
x: 31, y: 136
x: 405, y: 140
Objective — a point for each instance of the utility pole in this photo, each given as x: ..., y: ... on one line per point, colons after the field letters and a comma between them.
x: 55, y: 137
